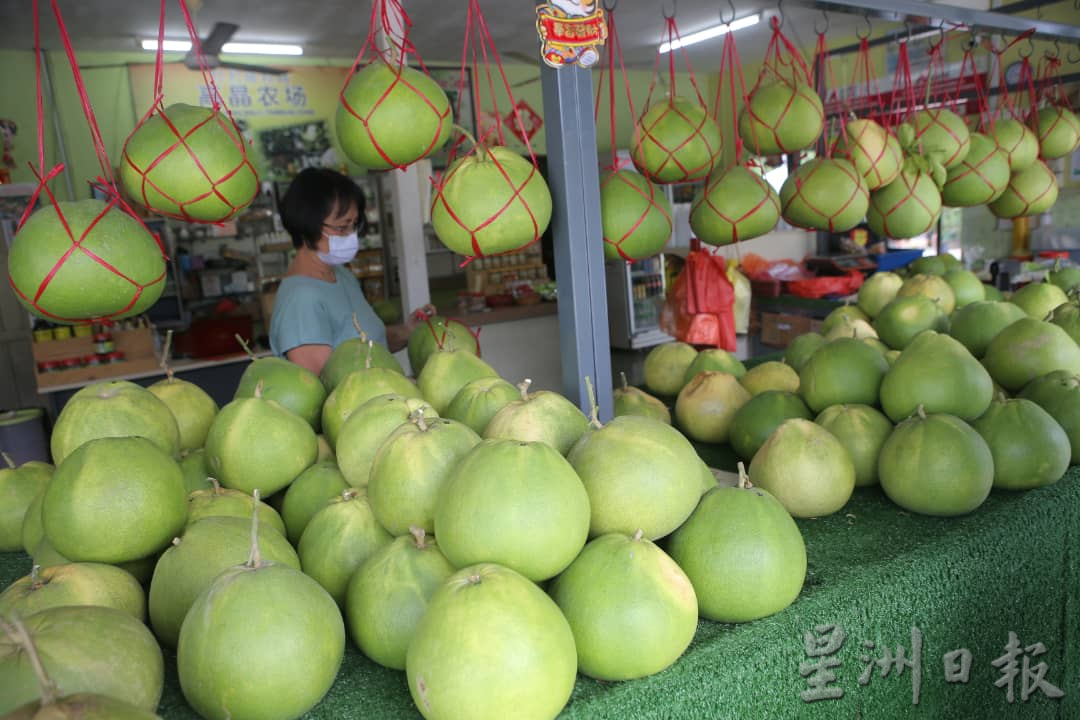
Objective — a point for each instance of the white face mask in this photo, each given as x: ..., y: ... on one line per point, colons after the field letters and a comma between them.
x: 343, y: 248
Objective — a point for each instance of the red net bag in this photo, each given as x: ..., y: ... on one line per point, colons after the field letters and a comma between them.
x: 81, y: 261
x: 1008, y: 126
x: 185, y: 161
x: 439, y: 333
x: 676, y: 139
x: 1055, y: 124
x: 635, y: 213
x: 390, y: 115
x: 940, y: 132
x: 490, y: 200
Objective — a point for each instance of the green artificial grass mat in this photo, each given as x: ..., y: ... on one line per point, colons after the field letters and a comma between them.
x: 1012, y: 565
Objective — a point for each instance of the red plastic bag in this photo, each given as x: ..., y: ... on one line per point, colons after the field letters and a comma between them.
x: 700, y: 308
x: 827, y: 285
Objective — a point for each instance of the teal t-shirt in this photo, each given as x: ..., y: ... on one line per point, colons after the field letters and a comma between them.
x: 308, y: 311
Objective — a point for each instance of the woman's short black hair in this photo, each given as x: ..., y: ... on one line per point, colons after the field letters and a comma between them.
x: 311, y: 198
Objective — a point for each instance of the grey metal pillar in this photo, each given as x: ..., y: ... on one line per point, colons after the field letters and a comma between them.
x: 574, y: 178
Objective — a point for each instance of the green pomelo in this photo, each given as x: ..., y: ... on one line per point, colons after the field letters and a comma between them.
x: 1039, y: 299
x: 291, y: 386
x: 446, y: 372
x: 842, y: 314
x: 760, y: 416
x: 848, y: 328
x: 391, y: 116
x: 388, y: 595
x: 32, y: 531
x: 542, y: 416
x: 217, y: 501
x: 992, y: 293
x: 196, y: 471
x: 928, y: 265
x: 1029, y: 192
x: 942, y: 133
x: 207, y: 548
x: 338, y: 539
x: 892, y: 356
x: 975, y: 325
x: 436, y: 334
x: 980, y: 177
x: 801, y: 348
x: 908, y: 206
x: 743, y: 554
x: 352, y: 355
x: 1065, y: 278
x: 490, y: 201
x: 676, y: 140
x: 45, y: 555
x: 629, y: 400
x: 84, y: 648
x: 843, y: 371
x: 875, y: 343
x: 1018, y: 142
x: 258, y: 444
x: 878, y: 291
x: 806, y: 468
x: 936, y: 465
x: 18, y: 488
x: 77, y: 287
x: 966, y: 286
x: 716, y: 360
x: 141, y: 569
x: 771, y: 375
x: 781, y: 117
x: 114, y: 500
x: 735, y: 204
x: 263, y: 641
x: 1027, y: 349
x: 933, y: 287
x: 635, y: 216
x: 368, y: 428
x: 862, y: 431
x: 1058, y: 130
x: 362, y: 385
x: 707, y: 405
x: 639, y: 473
x: 411, y: 468
x: 825, y: 194
x: 519, y: 504
x: 325, y: 451
x: 310, y: 492
x: 95, y: 584
x: 903, y: 319
x: 1058, y: 393
x: 937, y: 373
x: 83, y: 706
x: 205, y: 178
x: 478, y: 401
x: 525, y: 670
x: 865, y: 144
x: 632, y: 610
x: 666, y: 366
x: 116, y: 408
x: 1029, y: 447
x: 1067, y: 317
x: 193, y: 409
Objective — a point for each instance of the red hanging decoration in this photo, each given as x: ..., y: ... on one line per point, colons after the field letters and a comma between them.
x: 391, y: 115
x: 85, y: 261
x: 187, y: 162
x: 489, y: 200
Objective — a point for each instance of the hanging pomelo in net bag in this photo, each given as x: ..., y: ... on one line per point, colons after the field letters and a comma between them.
x: 1029, y: 192
x: 784, y: 113
x: 75, y: 262
x: 490, y: 200
x: 185, y: 161
x: 864, y: 142
x: 676, y: 139
x: 390, y: 115
x: 635, y: 214
x: 908, y: 206
x: 1056, y: 125
x: 736, y: 203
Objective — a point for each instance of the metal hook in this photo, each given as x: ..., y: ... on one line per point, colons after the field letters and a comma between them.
x: 611, y: 7
x: 779, y: 14
x: 940, y: 44
x: 973, y: 40
x: 664, y: 12
x: 1071, y: 58
x: 869, y: 27
x: 731, y: 4
x: 1057, y: 51
x: 825, y: 17
x: 1030, y: 48
x: 907, y: 26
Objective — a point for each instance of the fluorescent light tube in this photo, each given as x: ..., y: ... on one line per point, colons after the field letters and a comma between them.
x: 710, y: 33
x: 235, y: 48
x: 168, y: 45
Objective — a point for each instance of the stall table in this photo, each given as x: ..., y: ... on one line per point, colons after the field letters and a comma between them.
x: 875, y: 571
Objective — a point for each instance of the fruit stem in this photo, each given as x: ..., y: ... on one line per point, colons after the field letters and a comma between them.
x: 481, y: 150
x: 451, y: 342
x: 744, y: 478
x: 349, y: 494
x: 922, y: 412
x: 638, y: 534
x: 370, y: 347
x: 254, y: 558
x: 7, y: 459
x: 215, y: 486
x: 523, y: 386
x: 359, y: 330
x: 259, y: 390
x: 17, y: 632
x: 594, y: 409
x: 625, y: 384
x: 418, y: 536
x: 35, y: 580
x: 247, y: 348
x: 165, y: 349
x: 417, y: 417
x: 1001, y: 396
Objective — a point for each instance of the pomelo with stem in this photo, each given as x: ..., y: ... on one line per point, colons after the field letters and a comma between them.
x: 368, y: 428
x: 715, y: 359
x: 309, y: 493
x: 706, y: 406
x: 1029, y: 447
x: 263, y: 641
x: 446, y: 372
x: 291, y: 386
x: 676, y: 140
x: 478, y: 401
x: 806, y: 468
x: 1039, y: 299
x: 433, y: 335
x: 193, y: 409
x: 352, y: 355
x: 628, y: 400
x: 542, y: 416
x: 217, y: 501
x: 74, y: 584
x: 196, y: 471
x: 18, y: 488
x: 862, y: 430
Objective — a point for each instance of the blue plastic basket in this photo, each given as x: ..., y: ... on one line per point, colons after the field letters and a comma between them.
x: 897, y: 259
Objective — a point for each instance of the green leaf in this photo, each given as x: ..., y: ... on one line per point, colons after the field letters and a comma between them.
x: 905, y: 133
x: 938, y: 173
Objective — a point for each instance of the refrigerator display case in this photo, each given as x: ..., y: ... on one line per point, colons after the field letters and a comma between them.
x: 635, y: 293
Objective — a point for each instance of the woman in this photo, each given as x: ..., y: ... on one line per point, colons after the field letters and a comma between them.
x: 313, y: 312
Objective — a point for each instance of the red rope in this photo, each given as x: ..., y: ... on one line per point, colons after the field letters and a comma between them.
x: 731, y: 71
x: 613, y: 59
x: 779, y: 53
x: 823, y: 64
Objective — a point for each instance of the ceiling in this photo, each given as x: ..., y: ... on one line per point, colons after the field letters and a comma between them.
x: 337, y: 28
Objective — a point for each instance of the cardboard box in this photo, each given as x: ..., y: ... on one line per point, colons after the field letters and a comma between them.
x: 778, y: 329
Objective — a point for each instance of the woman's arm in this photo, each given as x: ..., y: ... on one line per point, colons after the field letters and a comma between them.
x: 397, y: 336
x: 312, y: 357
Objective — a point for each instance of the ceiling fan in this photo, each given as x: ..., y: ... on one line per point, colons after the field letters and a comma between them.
x: 212, y: 44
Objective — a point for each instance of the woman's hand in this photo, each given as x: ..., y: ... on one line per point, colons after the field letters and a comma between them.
x: 420, y: 315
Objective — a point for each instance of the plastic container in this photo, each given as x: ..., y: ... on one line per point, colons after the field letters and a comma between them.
x: 23, y: 435
x: 896, y: 259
